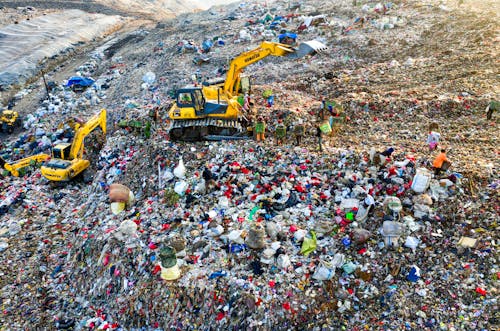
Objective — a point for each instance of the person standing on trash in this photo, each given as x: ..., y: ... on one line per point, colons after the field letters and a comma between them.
x: 492, y: 107
x: 323, y: 112
x: 298, y: 130
x: 260, y: 128
x: 280, y: 132
x: 381, y: 158
x: 319, y: 134
x: 209, y: 179
x: 433, y: 140
x: 439, y: 161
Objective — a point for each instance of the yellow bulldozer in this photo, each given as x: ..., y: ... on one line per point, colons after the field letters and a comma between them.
x: 212, y: 112
x: 9, y: 120
x: 67, y: 160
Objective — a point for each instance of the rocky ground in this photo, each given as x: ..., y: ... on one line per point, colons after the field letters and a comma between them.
x: 395, y: 70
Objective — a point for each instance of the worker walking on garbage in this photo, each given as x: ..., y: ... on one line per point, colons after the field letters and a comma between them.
x: 492, y: 107
x: 381, y: 158
x: 280, y: 132
x: 440, y: 163
x: 260, y: 128
x: 433, y: 140
x: 208, y: 176
x: 319, y: 135
x: 298, y: 130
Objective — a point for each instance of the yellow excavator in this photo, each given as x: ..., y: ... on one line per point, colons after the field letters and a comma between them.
x: 17, y: 168
x: 67, y: 159
x: 9, y: 120
x: 212, y: 112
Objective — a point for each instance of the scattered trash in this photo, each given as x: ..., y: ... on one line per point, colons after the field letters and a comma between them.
x: 275, y: 235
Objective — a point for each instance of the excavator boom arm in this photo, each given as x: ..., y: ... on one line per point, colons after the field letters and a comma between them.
x: 243, y: 60
x: 13, y: 168
x: 84, y: 130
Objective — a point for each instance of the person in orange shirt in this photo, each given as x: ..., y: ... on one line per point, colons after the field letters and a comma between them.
x: 439, y: 161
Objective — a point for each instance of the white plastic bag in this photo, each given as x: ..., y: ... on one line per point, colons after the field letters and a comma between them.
x: 412, y: 242
x: 299, y: 234
x: 323, y: 273
x: 181, y: 187
x: 421, y: 180
x: 180, y: 169
x: 420, y: 211
x: 149, y: 77
x: 235, y: 236
x: 283, y: 261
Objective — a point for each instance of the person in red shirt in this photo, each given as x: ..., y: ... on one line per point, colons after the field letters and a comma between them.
x: 439, y: 161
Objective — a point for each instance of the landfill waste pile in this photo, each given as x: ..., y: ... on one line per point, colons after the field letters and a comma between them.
x: 228, y: 235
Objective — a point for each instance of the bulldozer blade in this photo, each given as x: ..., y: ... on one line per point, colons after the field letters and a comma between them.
x: 309, y: 47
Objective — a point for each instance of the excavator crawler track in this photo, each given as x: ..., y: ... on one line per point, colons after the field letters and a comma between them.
x: 207, y: 129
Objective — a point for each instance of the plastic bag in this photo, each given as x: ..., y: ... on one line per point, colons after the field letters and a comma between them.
x: 420, y: 211
x: 325, y: 127
x: 171, y: 273
x: 149, y: 77
x: 117, y: 207
x: 118, y: 193
x: 283, y: 261
x: 180, y: 187
x: 309, y: 244
x: 180, y: 169
x: 299, y: 235
x: 411, y: 242
x: 323, y: 273
x: 349, y: 204
x: 349, y: 267
x: 421, y: 180
x: 391, y: 232
x: 126, y: 230
x: 235, y: 236
x: 392, y: 205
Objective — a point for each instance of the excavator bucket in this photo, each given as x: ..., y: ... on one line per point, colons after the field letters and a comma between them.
x: 309, y: 47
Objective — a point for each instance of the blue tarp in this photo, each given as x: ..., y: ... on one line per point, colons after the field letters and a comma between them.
x: 290, y: 35
x: 82, y: 81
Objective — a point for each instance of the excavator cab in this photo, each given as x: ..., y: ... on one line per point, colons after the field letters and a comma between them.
x: 190, y: 97
x: 61, y: 151
x: 60, y: 156
x: 190, y: 103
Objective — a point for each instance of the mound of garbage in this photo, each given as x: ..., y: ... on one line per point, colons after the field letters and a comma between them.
x: 360, y: 234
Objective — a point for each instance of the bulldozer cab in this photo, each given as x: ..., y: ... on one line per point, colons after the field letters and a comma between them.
x: 61, y: 151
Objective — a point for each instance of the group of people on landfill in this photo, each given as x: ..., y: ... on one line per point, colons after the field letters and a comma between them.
x: 281, y: 131
x: 440, y: 163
